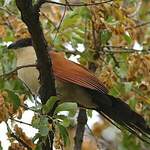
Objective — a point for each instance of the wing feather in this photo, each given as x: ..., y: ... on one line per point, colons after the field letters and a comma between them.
x: 69, y: 71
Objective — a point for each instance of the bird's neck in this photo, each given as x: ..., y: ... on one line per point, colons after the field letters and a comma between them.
x: 25, y: 56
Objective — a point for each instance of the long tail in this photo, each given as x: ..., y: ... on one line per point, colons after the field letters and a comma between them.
x: 118, y: 112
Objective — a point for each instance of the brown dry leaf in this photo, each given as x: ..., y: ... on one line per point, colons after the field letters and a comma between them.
x: 88, y: 143
x: 4, y: 115
x: 24, y: 137
x: 1, y: 100
x: 98, y: 127
x: 52, y: 12
x: 108, y: 77
x: 18, y: 26
x: 16, y: 146
x: 2, y: 31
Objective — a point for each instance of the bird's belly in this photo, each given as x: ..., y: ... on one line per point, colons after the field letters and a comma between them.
x: 70, y: 92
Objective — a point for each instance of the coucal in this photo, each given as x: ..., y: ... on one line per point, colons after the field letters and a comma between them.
x: 74, y: 83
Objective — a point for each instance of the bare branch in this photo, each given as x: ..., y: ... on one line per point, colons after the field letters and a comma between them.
x: 124, y: 50
x: 18, y: 68
x: 139, y: 25
x: 79, y: 4
x: 7, y: 11
x: 30, y: 16
x: 20, y: 122
x: 82, y: 120
x: 61, y: 20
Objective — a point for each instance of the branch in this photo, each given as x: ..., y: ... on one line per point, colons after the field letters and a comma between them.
x: 139, y: 25
x: 7, y: 11
x: 79, y: 4
x: 30, y: 16
x: 60, y: 23
x: 82, y: 120
x: 124, y: 50
x: 18, y: 68
x: 20, y: 122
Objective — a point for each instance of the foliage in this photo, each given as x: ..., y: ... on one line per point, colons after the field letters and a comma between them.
x: 108, y: 32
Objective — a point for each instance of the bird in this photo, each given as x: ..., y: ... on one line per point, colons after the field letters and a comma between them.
x: 75, y: 83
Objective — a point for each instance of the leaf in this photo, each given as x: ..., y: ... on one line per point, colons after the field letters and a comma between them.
x: 65, y: 120
x: 41, y: 123
x: 38, y: 147
x: 111, y: 20
x: 1, y: 146
x: 63, y: 133
x: 89, y: 113
x: 105, y: 35
x: 7, y: 2
x: 66, y: 107
x: 70, y: 21
x: 36, y: 136
x: 14, y: 99
x: 127, y: 38
x: 128, y: 86
x: 85, y: 13
x: 49, y: 104
x: 132, y: 102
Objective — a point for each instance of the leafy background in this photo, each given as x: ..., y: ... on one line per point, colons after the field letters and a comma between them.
x: 114, y: 38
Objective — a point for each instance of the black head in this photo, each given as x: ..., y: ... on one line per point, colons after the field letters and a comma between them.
x: 21, y: 43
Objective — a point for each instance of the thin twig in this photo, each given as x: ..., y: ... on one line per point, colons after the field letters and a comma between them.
x: 20, y: 122
x: 68, y: 4
x: 139, y: 25
x: 7, y: 11
x: 61, y: 20
x: 50, y: 21
x: 79, y: 4
x: 18, y: 68
x: 124, y: 49
x: 28, y: 108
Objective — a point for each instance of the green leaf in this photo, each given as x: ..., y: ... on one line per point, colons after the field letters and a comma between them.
x: 38, y: 147
x: 127, y: 38
x: 66, y: 107
x: 63, y: 133
x: 1, y: 146
x: 70, y: 21
x: 89, y: 113
x: 41, y: 123
x: 36, y: 136
x: 111, y: 20
x: 13, y: 98
x: 123, y: 70
x: 85, y: 13
x: 49, y: 104
x: 132, y: 102
x: 128, y: 86
x: 105, y: 35
x: 65, y: 120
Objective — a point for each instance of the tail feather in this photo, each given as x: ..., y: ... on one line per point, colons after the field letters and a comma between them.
x: 144, y: 137
x: 119, y: 112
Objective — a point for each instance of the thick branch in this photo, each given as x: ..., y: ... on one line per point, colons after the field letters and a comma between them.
x: 31, y: 18
x: 82, y: 120
x: 30, y: 15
